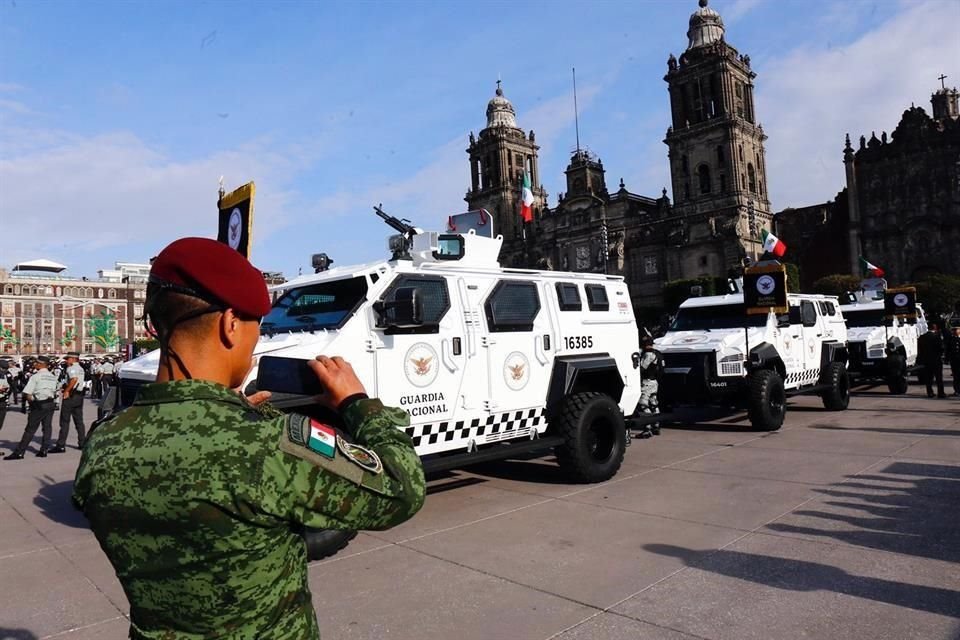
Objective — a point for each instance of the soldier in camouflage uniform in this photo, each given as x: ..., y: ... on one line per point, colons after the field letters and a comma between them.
x: 650, y: 369
x: 197, y: 494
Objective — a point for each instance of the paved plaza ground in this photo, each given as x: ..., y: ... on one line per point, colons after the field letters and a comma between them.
x: 841, y: 525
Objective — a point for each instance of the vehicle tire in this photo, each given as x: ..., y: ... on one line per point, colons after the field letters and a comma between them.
x: 897, y: 374
x: 323, y: 543
x: 595, y: 436
x: 837, y: 397
x: 768, y: 400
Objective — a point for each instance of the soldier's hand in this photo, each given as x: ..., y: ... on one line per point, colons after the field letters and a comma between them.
x: 338, y: 379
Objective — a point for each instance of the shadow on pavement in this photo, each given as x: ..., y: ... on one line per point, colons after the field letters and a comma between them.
x: 911, y: 432
x: 53, y: 500
x: 916, y: 515
x: 801, y: 575
x: 17, y: 634
x: 542, y: 470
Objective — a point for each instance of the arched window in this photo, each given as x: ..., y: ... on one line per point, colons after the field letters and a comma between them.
x: 741, y: 153
x: 88, y: 292
x: 684, y: 165
x: 8, y: 289
x: 111, y: 293
x: 751, y: 178
x: 703, y: 173
x: 720, y: 158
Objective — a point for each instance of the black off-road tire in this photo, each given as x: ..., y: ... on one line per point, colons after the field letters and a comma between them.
x: 897, y: 382
x: 595, y: 436
x: 837, y: 397
x: 767, y: 404
x: 323, y: 543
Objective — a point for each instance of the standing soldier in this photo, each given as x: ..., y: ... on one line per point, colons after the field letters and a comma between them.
x: 651, y: 364
x: 107, y: 369
x: 953, y: 356
x: 6, y: 388
x: 72, y: 404
x: 14, y: 371
x: 39, y: 392
x: 214, y: 546
x: 930, y: 356
x: 96, y: 374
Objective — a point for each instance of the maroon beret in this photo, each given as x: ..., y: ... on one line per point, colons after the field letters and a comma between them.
x: 213, y: 271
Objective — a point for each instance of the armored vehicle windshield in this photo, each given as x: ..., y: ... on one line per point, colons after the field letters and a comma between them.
x: 724, y: 316
x: 323, y: 305
x: 865, y: 318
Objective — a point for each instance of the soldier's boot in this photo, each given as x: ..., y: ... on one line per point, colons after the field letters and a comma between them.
x: 42, y: 453
x: 15, y: 455
x: 57, y: 449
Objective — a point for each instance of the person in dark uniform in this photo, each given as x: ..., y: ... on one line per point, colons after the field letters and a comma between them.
x: 6, y: 389
x: 930, y: 356
x: 72, y: 404
x: 953, y: 357
x: 199, y: 495
x: 39, y: 392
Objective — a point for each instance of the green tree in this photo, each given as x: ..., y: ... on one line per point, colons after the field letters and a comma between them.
x: 836, y: 284
x: 8, y: 336
x: 142, y: 346
x: 68, y: 337
x: 793, y: 277
x: 939, y: 294
x: 103, y: 329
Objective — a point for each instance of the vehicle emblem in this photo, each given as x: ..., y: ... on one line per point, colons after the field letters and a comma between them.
x: 516, y: 371
x: 901, y: 300
x: 419, y: 365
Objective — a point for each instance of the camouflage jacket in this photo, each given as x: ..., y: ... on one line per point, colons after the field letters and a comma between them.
x: 196, y: 498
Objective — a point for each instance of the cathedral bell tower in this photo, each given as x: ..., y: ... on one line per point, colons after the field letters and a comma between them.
x: 498, y: 159
x: 717, y: 159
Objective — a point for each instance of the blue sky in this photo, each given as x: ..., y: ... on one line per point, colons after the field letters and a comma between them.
x: 117, y: 118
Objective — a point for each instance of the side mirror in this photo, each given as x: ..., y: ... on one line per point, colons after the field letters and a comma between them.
x: 403, y: 312
x: 783, y: 320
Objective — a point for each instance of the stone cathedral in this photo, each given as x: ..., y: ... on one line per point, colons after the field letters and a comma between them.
x: 718, y: 180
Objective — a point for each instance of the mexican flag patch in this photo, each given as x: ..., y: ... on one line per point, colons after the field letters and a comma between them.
x: 323, y: 439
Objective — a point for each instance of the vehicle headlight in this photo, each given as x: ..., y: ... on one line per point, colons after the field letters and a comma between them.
x: 736, y: 357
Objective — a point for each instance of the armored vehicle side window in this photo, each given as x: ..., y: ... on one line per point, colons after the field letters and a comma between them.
x: 323, y: 305
x: 433, y: 294
x: 512, y: 306
x: 569, y: 296
x: 597, y: 297
x: 808, y: 313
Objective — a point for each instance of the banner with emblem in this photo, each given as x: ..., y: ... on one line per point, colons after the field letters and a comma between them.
x: 236, y: 219
x: 765, y: 289
x: 900, y: 303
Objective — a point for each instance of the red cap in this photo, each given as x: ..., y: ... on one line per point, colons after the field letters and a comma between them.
x: 213, y: 271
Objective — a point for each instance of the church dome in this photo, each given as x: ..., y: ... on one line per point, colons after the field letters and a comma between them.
x: 500, y: 112
x: 706, y: 27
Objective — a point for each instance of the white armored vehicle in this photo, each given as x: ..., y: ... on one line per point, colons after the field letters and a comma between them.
x: 716, y: 354
x: 489, y: 362
x: 880, y: 347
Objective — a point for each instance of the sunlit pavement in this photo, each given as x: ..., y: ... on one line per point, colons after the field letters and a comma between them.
x: 840, y: 525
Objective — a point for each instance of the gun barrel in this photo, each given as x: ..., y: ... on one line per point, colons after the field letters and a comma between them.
x: 392, y: 221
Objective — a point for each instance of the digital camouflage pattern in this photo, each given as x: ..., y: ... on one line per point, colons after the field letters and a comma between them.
x: 196, y: 497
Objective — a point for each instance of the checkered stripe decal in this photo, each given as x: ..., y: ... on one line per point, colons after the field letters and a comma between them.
x: 807, y: 375
x: 500, y: 425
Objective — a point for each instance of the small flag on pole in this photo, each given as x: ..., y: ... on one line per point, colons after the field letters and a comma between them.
x: 772, y: 244
x: 870, y: 269
x: 526, y: 199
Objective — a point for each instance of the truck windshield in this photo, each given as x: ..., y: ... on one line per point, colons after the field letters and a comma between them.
x: 865, y: 318
x: 724, y: 316
x: 324, y: 305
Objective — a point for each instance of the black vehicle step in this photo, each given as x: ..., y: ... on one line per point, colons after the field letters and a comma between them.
x: 817, y: 388
x: 493, y: 452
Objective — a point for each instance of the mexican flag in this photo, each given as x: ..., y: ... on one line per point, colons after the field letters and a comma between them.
x: 322, y: 439
x: 526, y: 199
x: 772, y: 244
x: 870, y: 269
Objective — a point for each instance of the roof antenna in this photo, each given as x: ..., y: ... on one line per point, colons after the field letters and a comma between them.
x: 576, y: 112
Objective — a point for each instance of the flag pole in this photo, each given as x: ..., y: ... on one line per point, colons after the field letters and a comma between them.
x: 576, y: 111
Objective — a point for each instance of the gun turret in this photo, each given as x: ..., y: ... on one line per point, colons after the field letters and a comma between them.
x: 399, y: 244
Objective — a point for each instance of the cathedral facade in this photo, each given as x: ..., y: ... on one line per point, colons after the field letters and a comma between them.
x: 718, y: 179
x: 901, y: 205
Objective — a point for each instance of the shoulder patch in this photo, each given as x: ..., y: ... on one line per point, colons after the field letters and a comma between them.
x: 362, y: 456
x: 307, y: 439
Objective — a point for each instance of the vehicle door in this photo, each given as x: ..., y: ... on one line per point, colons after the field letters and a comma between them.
x: 812, y: 331
x: 420, y: 367
x: 791, y: 347
x: 518, y: 328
